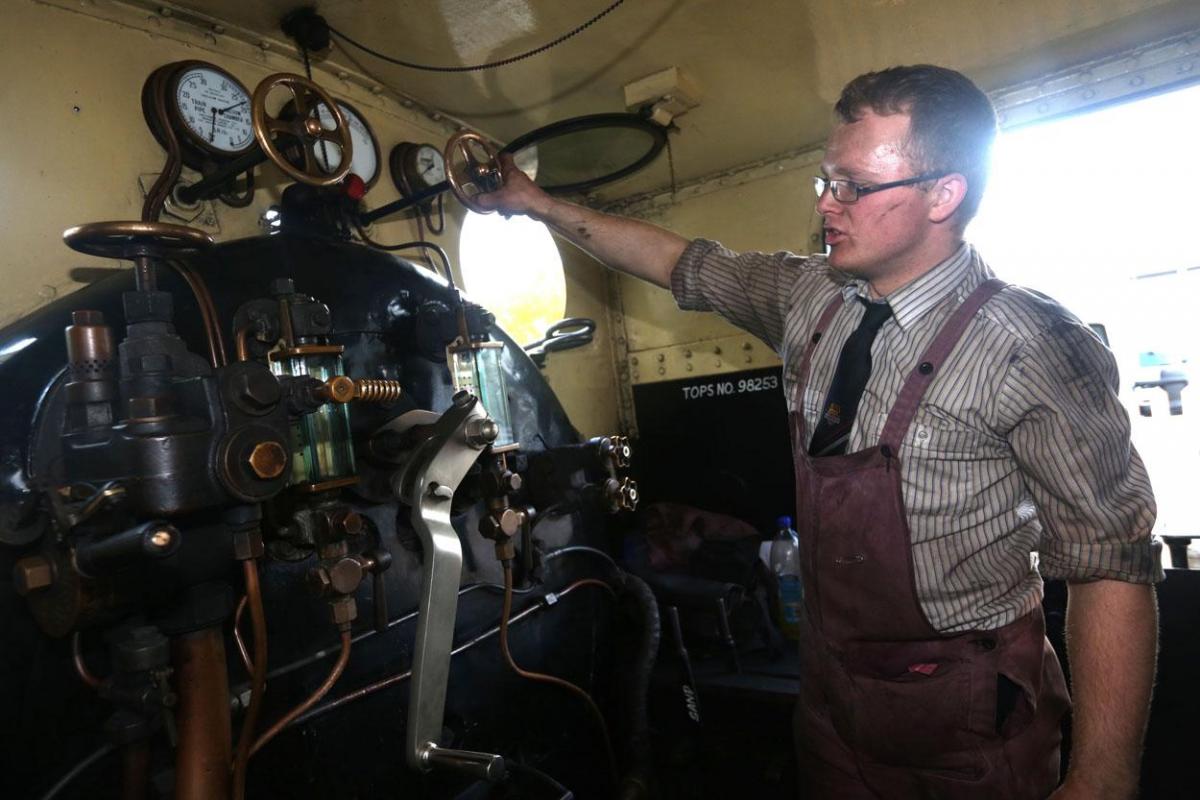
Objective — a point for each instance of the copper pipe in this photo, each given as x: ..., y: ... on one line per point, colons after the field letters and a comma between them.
x: 211, y: 333
x: 135, y: 770
x: 240, y: 344
x: 205, y: 734
x: 400, y: 677
x: 157, y: 196
x: 541, y: 677
x: 80, y: 667
x: 312, y: 700
x: 237, y: 636
x: 258, y: 675
x: 205, y: 298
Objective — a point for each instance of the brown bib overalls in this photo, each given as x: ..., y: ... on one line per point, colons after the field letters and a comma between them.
x: 890, y: 707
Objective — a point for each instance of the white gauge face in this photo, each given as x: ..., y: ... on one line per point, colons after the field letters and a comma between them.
x: 430, y: 166
x: 364, y: 162
x: 215, y: 109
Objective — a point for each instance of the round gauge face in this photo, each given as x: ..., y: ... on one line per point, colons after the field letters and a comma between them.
x: 429, y: 167
x: 215, y: 109
x: 365, y: 160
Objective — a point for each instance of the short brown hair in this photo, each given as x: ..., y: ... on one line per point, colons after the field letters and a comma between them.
x: 952, y: 127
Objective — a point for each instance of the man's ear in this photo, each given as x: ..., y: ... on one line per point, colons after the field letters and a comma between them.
x: 946, y: 196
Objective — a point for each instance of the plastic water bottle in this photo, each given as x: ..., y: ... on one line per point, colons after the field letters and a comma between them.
x: 785, y: 563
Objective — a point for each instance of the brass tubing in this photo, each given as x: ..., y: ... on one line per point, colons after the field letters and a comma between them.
x: 80, y: 667
x: 157, y: 196
x: 550, y: 679
x: 241, y: 346
x: 312, y: 700
x: 205, y: 734
x: 211, y: 331
x: 135, y: 770
x: 258, y: 676
x: 237, y: 636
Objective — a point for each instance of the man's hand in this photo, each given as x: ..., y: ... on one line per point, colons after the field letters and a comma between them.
x: 519, y: 195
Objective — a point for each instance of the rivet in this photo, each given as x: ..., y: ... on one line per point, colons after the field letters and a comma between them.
x: 376, y: 89
x: 747, y: 346
x: 634, y: 361
x: 342, y: 75
x: 662, y: 370
x: 661, y: 358
x: 636, y: 375
x: 218, y: 28
x: 718, y: 362
x: 264, y: 44
x: 687, y: 353
x: 166, y: 12
x: 749, y: 359
x: 717, y: 350
x: 689, y: 367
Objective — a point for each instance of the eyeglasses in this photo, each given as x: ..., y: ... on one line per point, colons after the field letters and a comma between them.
x: 849, y: 191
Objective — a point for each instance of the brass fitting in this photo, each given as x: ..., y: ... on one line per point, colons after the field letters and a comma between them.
x: 268, y: 460
x: 341, y: 389
x: 31, y: 574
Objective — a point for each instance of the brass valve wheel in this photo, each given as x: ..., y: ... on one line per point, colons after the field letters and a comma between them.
x: 304, y: 128
x: 472, y: 168
x: 136, y: 239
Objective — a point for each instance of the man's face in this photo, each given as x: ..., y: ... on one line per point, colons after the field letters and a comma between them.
x: 882, y: 234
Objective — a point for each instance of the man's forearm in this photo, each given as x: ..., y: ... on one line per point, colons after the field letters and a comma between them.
x: 1112, y: 643
x: 637, y: 248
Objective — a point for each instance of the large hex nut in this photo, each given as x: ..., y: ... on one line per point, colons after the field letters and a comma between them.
x: 31, y: 574
x: 268, y: 460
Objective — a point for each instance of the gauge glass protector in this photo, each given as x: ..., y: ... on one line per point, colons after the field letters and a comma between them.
x: 215, y: 109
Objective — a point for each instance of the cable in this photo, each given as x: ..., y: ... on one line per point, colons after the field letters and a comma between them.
x: 542, y: 677
x: 77, y: 770
x: 477, y: 67
x: 563, y: 793
x: 408, y: 246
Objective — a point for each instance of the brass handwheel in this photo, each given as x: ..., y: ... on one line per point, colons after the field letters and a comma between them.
x: 305, y: 128
x: 472, y: 169
x: 133, y: 239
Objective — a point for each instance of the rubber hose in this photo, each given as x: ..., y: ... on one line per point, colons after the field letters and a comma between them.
x: 636, y: 782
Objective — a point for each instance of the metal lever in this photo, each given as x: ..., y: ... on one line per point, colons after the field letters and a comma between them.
x: 427, y: 483
x: 484, y: 766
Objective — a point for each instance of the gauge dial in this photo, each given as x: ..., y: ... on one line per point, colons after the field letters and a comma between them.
x: 214, y: 109
x: 416, y: 167
x: 365, y: 161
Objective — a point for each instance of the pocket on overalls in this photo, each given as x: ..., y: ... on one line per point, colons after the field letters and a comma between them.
x: 917, y: 706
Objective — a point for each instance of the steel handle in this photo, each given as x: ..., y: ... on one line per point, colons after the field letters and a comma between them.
x: 483, y: 766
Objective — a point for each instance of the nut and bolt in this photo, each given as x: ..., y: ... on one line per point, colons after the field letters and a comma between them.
x: 31, y: 574
x: 258, y: 389
x: 268, y: 460
x: 346, y: 522
x: 345, y: 575
x: 482, y: 432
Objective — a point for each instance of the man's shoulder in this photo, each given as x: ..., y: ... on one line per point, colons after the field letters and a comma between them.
x: 1026, y: 314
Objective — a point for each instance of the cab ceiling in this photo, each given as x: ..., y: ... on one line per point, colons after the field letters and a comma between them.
x: 769, y: 70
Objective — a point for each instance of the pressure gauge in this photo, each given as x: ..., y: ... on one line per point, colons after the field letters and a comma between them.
x: 365, y: 147
x: 416, y: 167
x: 212, y: 109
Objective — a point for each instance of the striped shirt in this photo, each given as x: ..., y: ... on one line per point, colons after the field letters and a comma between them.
x: 1019, y: 447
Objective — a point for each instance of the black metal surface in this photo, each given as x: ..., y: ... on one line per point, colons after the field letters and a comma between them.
x: 376, y: 300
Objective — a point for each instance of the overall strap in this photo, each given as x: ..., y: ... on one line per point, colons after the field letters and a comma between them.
x: 918, y: 381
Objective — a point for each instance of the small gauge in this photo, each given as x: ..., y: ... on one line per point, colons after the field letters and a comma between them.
x: 212, y: 109
x: 365, y: 161
x: 416, y: 167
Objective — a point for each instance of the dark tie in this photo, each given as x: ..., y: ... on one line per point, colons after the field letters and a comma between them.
x: 853, y: 369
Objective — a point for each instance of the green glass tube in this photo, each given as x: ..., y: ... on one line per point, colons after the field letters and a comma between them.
x: 322, y: 449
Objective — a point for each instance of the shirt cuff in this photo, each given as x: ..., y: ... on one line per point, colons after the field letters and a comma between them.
x: 1139, y: 561
x: 685, y: 277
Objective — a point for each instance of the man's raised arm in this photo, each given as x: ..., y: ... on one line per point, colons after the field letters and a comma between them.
x: 627, y: 245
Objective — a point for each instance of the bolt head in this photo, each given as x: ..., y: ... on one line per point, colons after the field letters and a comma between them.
x: 31, y: 574
x: 345, y: 575
x: 161, y: 538
x: 268, y: 460
x: 258, y: 389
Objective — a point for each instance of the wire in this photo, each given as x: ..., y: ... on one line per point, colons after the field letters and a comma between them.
x: 77, y: 770
x: 409, y: 246
x: 542, y: 677
x: 477, y: 67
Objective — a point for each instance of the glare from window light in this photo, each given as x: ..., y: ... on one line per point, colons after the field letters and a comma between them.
x: 512, y: 267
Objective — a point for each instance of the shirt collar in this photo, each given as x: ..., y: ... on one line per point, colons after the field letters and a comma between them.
x: 962, y: 271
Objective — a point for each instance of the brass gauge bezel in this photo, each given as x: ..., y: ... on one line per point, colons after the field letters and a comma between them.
x: 197, y: 153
